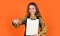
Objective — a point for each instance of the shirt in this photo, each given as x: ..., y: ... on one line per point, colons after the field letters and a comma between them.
x: 43, y: 28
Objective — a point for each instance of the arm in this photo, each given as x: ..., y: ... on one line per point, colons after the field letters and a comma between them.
x: 43, y: 27
x: 18, y: 22
x: 24, y: 20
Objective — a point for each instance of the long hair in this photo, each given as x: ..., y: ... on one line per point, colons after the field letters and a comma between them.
x: 37, y: 14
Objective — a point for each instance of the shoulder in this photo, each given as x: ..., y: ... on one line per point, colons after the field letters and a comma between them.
x: 24, y: 18
x: 41, y: 20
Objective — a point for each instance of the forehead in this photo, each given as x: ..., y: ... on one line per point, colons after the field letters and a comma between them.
x: 31, y: 6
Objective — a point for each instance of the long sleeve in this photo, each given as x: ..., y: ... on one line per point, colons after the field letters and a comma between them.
x: 43, y: 27
x: 23, y: 21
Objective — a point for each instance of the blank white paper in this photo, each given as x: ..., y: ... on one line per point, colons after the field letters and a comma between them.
x: 32, y: 26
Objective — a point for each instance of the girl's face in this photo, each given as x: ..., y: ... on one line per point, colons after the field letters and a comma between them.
x: 32, y: 9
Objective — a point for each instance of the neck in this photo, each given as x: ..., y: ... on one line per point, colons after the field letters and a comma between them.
x: 33, y: 14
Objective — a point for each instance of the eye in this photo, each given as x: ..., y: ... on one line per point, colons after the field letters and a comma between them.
x: 29, y: 8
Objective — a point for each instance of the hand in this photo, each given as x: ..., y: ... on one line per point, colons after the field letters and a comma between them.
x: 36, y: 35
x: 17, y: 21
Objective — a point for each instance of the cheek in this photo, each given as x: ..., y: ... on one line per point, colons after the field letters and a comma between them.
x: 29, y: 11
x: 34, y: 10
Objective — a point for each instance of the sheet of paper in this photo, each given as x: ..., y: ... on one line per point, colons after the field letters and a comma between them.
x: 32, y: 26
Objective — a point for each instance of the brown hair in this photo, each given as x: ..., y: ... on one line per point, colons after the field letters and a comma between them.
x: 37, y: 10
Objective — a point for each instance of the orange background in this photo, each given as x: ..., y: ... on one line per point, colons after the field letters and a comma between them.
x: 12, y: 9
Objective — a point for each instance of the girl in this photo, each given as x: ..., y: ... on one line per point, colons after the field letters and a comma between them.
x: 32, y: 14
